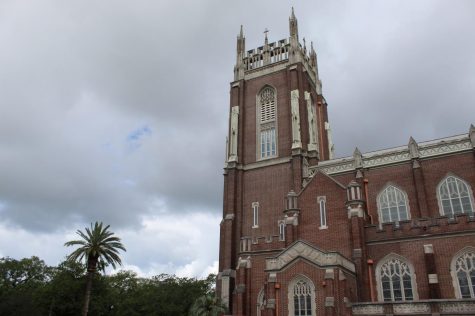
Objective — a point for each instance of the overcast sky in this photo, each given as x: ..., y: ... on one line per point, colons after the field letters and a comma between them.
x: 117, y: 111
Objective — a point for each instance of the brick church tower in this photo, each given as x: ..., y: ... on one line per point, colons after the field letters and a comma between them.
x: 306, y: 234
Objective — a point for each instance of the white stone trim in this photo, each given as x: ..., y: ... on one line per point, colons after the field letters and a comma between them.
x: 411, y: 308
x: 458, y: 307
x: 314, y: 255
x: 295, y: 113
x: 312, y: 123
x: 233, y: 135
x: 265, y: 163
x: 372, y: 309
x: 401, y: 154
x: 323, y: 214
x: 255, y: 214
x: 428, y: 248
x: 433, y: 278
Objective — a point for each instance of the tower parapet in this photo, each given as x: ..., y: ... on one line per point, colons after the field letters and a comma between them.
x: 276, y: 56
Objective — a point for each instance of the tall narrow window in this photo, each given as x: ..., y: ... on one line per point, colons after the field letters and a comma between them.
x: 281, y: 230
x: 323, y: 211
x: 463, y: 267
x: 455, y: 197
x: 260, y: 302
x: 392, y: 204
x: 395, y: 278
x: 255, y: 214
x: 301, y: 297
x: 266, y: 125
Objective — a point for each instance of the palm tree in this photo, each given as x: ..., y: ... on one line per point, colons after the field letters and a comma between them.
x: 97, y: 247
x: 207, y: 305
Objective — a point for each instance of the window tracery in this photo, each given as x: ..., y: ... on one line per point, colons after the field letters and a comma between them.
x: 267, y: 123
x: 395, y: 280
x: 454, y: 196
x: 301, y: 297
x: 392, y: 205
x: 463, y: 267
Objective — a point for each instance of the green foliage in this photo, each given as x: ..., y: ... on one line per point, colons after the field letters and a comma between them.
x: 207, y: 305
x: 20, y: 283
x: 164, y: 294
x: 63, y: 294
x: 98, y: 247
x: 28, y: 287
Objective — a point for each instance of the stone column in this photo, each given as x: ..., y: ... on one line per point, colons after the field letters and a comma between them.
x: 431, y: 269
x: 329, y: 292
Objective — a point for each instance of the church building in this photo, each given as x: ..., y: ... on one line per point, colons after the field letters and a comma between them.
x: 388, y: 232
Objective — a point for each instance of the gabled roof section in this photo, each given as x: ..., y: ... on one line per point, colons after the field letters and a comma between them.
x: 303, y: 250
x: 312, y: 175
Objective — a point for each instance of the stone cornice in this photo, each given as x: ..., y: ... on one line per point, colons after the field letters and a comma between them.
x: 260, y: 164
x: 386, y: 157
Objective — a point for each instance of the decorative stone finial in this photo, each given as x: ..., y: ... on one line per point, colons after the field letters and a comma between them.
x: 240, y: 48
x: 358, y: 158
x: 471, y: 135
x: 413, y: 148
x: 293, y: 25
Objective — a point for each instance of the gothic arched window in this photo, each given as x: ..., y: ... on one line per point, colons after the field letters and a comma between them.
x: 395, y: 279
x: 392, y: 205
x: 463, y: 273
x: 267, y: 123
x: 301, y: 297
x: 455, y: 196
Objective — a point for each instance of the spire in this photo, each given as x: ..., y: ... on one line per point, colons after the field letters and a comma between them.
x: 471, y: 135
x: 266, y: 41
x: 313, y: 57
x: 292, y: 16
x: 293, y: 28
x: 240, y: 42
x: 266, y: 52
x: 240, y: 48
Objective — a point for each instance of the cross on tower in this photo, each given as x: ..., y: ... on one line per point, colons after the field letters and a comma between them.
x: 266, y: 31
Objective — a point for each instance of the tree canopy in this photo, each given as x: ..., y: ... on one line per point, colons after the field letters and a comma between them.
x: 29, y: 287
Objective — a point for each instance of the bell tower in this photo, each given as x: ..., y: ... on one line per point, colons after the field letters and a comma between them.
x: 278, y: 128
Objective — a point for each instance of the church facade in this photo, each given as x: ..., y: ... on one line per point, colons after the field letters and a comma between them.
x: 389, y: 232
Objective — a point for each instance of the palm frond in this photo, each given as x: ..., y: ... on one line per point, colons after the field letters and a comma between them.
x: 97, y: 241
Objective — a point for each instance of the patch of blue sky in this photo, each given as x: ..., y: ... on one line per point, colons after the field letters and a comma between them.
x: 139, y: 133
x: 135, y: 137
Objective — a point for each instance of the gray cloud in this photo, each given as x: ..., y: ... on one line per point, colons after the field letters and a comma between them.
x: 79, y: 79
